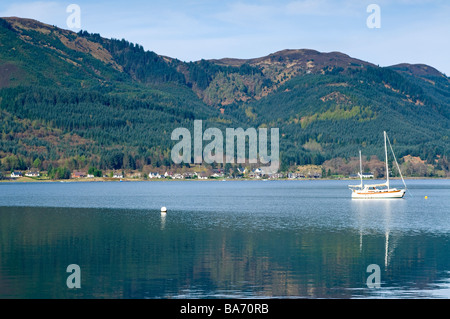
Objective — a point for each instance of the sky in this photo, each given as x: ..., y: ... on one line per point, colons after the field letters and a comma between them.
x: 410, y: 31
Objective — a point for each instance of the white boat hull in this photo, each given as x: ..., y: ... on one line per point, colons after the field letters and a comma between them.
x: 379, y: 194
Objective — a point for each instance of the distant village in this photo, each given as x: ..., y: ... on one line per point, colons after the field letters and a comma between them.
x: 302, y: 172
x: 336, y: 168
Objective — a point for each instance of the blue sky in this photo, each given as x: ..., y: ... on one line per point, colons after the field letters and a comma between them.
x: 412, y: 31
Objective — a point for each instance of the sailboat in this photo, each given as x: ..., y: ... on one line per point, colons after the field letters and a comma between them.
x: 378, y: 191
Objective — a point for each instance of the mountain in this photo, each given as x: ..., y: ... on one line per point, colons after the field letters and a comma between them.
x: 250, y: 79
x: 78, y: 100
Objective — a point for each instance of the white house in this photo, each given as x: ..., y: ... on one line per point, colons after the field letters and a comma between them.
x: 32, y: 174
x: 168, y: 174
x: 201, y: 175
x: 16, y: 174
x: 154, y: 175
x: 275, y: 175
x: 217, y: 173
x: 296, y: 175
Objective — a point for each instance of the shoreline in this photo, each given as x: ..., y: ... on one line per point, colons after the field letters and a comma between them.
x: 101, y: 179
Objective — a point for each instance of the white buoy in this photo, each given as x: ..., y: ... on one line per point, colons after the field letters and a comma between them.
x: 163, y: 209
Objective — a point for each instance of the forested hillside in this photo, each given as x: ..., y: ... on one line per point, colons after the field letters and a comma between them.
x: 78, y: 100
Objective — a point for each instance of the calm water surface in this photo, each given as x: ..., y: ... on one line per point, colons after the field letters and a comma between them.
x: 233, y: 239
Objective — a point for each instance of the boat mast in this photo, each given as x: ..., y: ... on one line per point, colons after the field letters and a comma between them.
x: 396, y: 163
x: 387, y: 167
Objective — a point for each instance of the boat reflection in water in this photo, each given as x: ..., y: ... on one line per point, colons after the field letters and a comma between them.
x: 376, y: 215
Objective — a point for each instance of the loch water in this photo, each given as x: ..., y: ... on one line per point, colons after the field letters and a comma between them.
x: 233, y: 239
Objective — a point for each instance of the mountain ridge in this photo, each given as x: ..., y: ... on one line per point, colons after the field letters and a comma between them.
x: 327, y: 104
x: 232, y: 61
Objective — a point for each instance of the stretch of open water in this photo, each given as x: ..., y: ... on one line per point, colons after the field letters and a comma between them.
x: 233, y: 239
